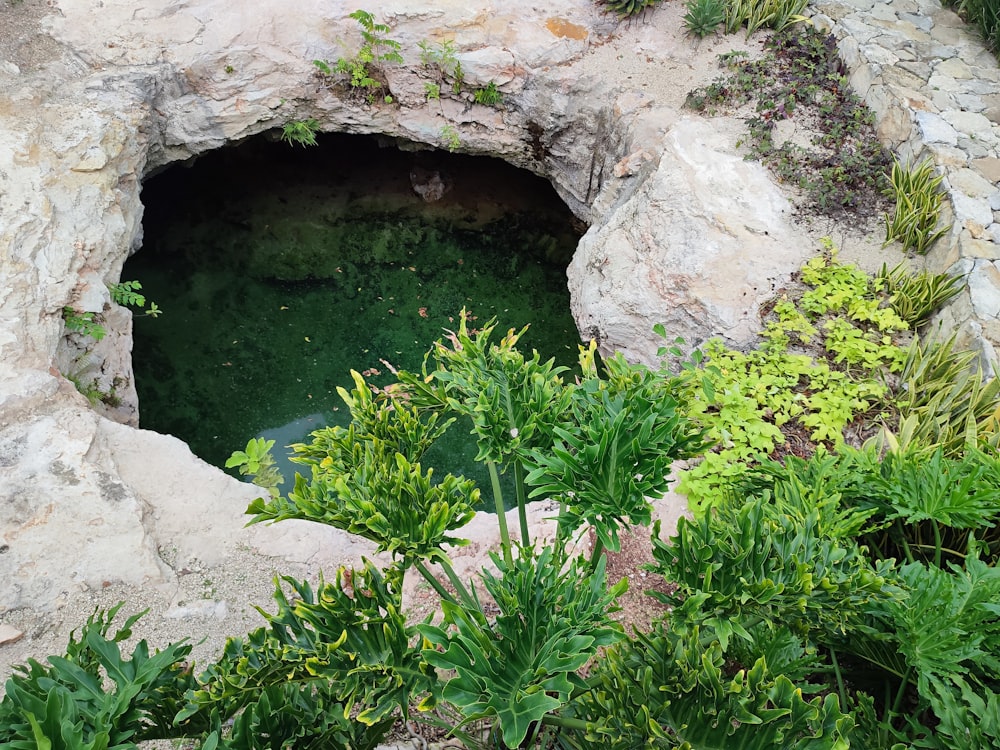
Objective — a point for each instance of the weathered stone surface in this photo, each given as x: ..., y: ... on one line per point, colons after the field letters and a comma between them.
x: 988, y: 168
x: 971, y: 183
x: 984, y: 288
x: 969, y: 210
x: 934, y: 129
x: 668, y: 254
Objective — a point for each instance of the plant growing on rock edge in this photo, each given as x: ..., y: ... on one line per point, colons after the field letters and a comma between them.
x: 364, y: 72
x: 300, y: 132
x: 489, y: 95
x: 628, y: 8
x: 127, y: 294
x: 86, y: 323
x: 451, y: 138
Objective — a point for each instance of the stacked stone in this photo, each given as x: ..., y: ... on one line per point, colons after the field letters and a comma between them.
x: 935, y: 90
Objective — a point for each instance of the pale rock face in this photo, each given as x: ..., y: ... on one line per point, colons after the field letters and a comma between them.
x: 698, y: 247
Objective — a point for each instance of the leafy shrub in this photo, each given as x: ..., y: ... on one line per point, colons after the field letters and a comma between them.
x: 844, y: 599
x: 818, y: 370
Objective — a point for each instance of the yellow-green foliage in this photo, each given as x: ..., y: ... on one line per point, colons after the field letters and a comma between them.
x: 819, y: 367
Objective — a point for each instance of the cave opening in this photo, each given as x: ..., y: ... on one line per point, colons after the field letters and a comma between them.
x: 281, y: 269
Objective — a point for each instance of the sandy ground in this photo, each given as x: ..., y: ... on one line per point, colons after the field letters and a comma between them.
x: 211, y: 603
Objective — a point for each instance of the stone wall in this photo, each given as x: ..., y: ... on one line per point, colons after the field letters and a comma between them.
x: 936, y: 92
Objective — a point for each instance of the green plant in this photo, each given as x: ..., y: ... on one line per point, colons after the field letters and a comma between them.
x: 93, y: 698
x: 364, y: 72
x: 432, y: 90
x: 489, y: 95
x: 917, y: 207
x: 914, y: 298
x: 127, y: 294
x: 84, y: 322
x: 451, y: 138
x: 830, y: 355
x: 442, y: 59
x: 518, y: 669
x: 301, y: 132
x: 458, y: 79
x: 256, y: 462
x: 703, y: 17
x: 628, y: 8
x: 842, y: 598
x: 943, y: 400
x: 229, y: 69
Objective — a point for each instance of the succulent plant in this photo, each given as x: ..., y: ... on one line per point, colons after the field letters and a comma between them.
x: 703, y: 17
x: 628, y: 8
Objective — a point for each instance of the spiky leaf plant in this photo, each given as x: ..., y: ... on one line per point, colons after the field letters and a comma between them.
x: 629, y: 8
x: 704, y: 17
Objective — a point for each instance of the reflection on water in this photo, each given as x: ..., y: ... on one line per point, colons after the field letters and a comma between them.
x: 280, y: 270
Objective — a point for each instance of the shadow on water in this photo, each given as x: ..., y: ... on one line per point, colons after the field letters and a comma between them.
x: 279, y: 270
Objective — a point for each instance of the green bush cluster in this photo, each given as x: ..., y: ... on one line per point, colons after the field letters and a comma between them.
x: 822, y: 368
x: 843, y: 597
x: 914, y: 220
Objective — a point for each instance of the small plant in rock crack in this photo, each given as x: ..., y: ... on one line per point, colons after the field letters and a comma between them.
x: 364, y: 72
x: 300, y: 132
x: 704, y: 17
x: 489, y: 95
x: 841, y: 170
x: 442, y: 60
x: 87, y: 323
x: 451, y: 138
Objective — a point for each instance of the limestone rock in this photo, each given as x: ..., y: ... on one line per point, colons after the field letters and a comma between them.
x: 698, y: 247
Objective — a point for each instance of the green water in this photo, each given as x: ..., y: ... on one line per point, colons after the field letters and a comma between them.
x: 279, y: 270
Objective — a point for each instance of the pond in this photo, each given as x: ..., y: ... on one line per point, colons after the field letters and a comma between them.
x: 280, y: 269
